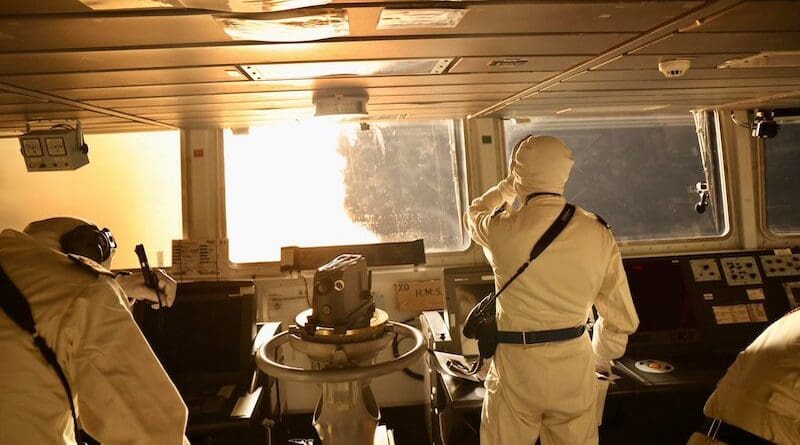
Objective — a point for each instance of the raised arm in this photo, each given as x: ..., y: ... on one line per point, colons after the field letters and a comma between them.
x: 124, y: 394
x: 482, y: 208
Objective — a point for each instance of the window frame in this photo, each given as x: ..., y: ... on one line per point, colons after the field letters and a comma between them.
x: 727, y: 240
x: 461, y: 170
x: 771, y: 238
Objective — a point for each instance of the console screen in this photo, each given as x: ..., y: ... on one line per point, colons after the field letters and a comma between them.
x: 660, y: 296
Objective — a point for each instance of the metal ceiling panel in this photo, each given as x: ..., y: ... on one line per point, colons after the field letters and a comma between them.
x: 224, y: 121
x: 34, y: 108
x: 650, y: 62
x: 42, y: 6
x: 83, y: 115
x: 697, y: 92
x: 531, y: 64
x: 89, y: 30
x: 418, y: 99
x: 592, y: 98
x: 11, y: 98
x: 562, y: 17
x: 171, y: 64
x: 674, y: 101
x: 517, y: 79
x: 108, y: 32
x: 297, y: 94
x: 725, y: 42
x: 230, y: 54
x: 48, y: 82
x: 777, y: 83
x: 757, y: 16
x: 731, y: 75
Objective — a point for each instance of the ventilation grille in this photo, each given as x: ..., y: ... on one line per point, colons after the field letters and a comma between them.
x: 505, y: 63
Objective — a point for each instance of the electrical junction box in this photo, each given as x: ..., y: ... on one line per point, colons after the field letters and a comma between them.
x: 55, y: 149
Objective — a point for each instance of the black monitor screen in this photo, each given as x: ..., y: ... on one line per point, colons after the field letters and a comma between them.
x: 464, y: 287
x: 207, y: 331
x: 202, y: 336
x: 660, y: 296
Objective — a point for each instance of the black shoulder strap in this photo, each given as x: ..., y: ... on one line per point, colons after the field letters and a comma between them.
x: 16, y: 306
x: 546, y: 239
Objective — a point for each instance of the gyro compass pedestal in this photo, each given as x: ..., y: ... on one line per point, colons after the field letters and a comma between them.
x: 344, y: 362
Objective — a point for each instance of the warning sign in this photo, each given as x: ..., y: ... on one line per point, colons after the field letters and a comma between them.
x: 419, y: 295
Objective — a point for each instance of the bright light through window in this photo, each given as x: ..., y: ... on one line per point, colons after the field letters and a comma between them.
x: 322, y: 183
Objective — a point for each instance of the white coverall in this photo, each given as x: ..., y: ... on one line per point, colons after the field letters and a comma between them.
x: 760, y: 393
x: 122, y: 394
x: 548, y: 389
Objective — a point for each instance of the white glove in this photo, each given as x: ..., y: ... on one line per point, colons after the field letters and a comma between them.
x: 134, y: 287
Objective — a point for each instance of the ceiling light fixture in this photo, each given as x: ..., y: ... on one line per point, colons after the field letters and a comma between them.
x: 292, y: 28
x: 313, y: 70
x: 405, y: 18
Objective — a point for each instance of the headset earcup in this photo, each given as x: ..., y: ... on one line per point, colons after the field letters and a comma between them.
x: 85, y: 241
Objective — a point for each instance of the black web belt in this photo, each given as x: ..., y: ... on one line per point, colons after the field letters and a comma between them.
x: 733, y: 435
x: 533, y: 337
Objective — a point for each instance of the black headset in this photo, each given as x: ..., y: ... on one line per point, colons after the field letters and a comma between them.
x: 89, y: 241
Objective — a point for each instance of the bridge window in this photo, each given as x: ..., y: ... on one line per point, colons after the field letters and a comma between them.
x: 132, y: 185
x: 640, y: 174
x: 321, y: 183
x: 782, y: 159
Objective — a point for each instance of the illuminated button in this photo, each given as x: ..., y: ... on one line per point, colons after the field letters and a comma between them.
x: 654, y: 366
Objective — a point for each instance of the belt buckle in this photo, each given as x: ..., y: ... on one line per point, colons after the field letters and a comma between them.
x: 525, y: 340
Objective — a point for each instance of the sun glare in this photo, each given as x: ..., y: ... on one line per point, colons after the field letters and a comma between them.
x: 284, y: 187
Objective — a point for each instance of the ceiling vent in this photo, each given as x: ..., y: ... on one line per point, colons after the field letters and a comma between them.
x: 767, y: 59
x: 342, y: 106
x: 506, y: 63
